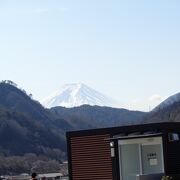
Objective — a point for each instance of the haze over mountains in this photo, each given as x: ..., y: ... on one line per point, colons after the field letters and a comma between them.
x: 77, y: 94
x: 27, y: 127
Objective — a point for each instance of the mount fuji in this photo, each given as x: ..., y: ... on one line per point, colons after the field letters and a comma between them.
x: 77, y: 94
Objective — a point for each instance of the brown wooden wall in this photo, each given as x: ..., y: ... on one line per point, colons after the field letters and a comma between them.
x: 91, y: 158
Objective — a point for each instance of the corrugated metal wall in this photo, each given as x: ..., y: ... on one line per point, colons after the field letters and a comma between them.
x: 91, y: 158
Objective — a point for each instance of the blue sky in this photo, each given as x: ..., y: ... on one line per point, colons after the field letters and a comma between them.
x: 128, y: 50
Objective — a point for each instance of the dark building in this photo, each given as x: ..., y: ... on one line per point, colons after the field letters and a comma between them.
x: 137, y: 152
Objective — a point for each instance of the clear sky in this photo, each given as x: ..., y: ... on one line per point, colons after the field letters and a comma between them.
x: 126, y: 49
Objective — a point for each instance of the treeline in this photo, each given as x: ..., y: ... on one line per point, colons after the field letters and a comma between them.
x: 15, y: 85
x: 29, y: 163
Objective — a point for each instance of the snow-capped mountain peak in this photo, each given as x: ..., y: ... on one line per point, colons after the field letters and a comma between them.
x: 77, y: 94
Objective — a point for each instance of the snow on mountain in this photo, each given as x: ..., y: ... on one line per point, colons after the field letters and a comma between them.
x: 169, y: 101
x: 73, y: 95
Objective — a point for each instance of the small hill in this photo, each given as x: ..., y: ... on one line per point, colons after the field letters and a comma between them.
x: 170, y: 113
x: 168, y: 102
x: 167, y: 111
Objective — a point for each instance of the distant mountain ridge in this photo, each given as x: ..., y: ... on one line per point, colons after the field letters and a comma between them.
x: 77, y: 94
x: 168, y: 102
x: 167, y: 111
x: 98, y: 116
